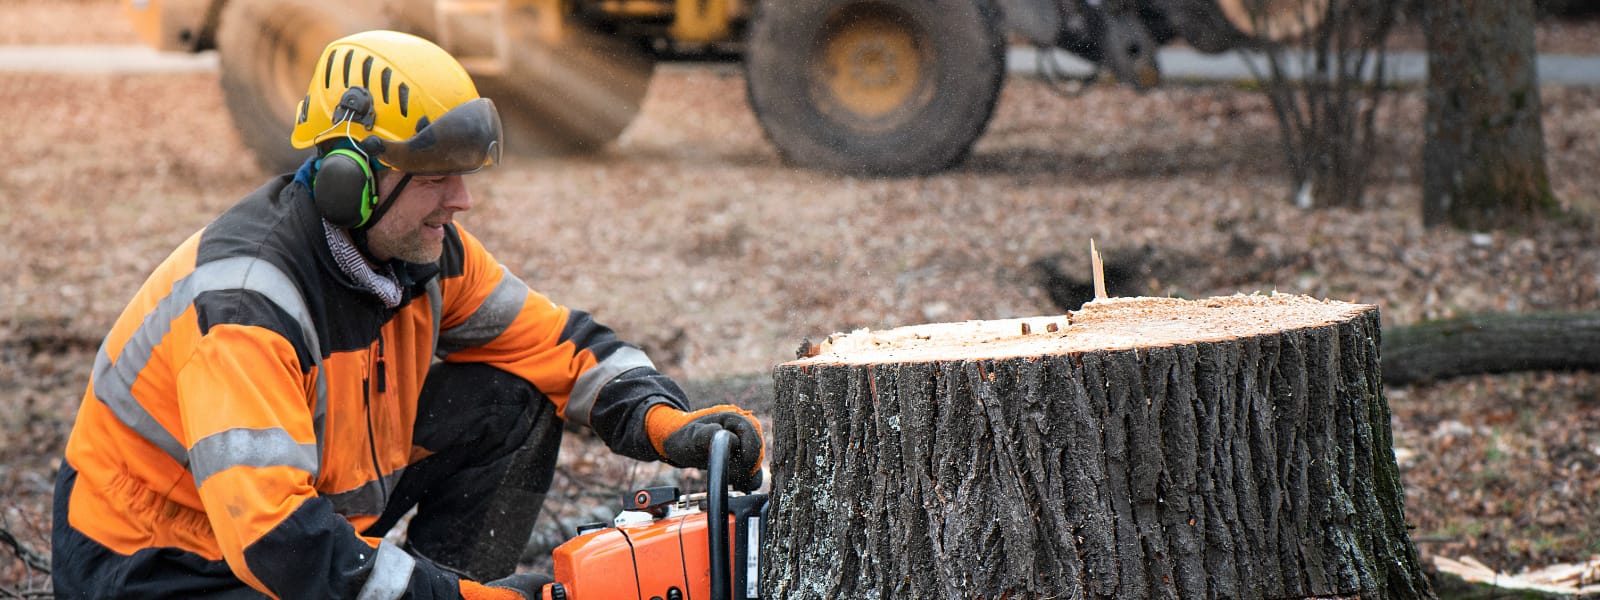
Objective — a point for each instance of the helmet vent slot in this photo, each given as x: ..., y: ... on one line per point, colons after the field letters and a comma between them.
x: 348, y: 56
x: 366, y: 73
x: 386, y: 73
x: 327, y: 73
x: 405, y: 98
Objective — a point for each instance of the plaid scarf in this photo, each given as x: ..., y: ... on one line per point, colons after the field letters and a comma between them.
x: 383, y: 285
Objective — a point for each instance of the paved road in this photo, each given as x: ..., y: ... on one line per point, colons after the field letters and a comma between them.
x: 1186, y: 64
x: 1176, y: 63
x: 101, y: 59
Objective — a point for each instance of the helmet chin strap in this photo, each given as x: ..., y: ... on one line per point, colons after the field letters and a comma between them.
x: 359, y: 234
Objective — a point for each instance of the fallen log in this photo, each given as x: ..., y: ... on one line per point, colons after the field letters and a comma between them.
x: 1140, y: 447
x: 1491, y: 343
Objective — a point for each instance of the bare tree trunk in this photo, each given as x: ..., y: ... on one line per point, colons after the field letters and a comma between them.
x: 1143, y: 450
x: 1483, y: 158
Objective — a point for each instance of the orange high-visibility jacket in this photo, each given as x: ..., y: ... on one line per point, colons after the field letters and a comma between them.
x: 228, y: 411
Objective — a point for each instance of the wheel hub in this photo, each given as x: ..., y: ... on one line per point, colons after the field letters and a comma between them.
x: 872, y: 64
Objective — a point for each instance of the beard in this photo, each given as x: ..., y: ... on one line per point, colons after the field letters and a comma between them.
x: 410, y: 248
x: 414, y: 244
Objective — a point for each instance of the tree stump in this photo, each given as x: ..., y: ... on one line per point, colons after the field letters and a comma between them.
x: 1235, y: 447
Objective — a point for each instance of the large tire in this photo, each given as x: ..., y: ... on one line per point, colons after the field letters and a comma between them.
x: 269, y: 49
x: 875, y: 87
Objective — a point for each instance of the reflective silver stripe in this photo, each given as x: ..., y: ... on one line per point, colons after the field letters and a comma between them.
x: 436, y: 302
x: 114, y: 388
x: 588, y: 387
x: 491, y: 318
x: 249, y: 448
x: 391, y: 574
x: 113, y: 381
x: 365, y: 499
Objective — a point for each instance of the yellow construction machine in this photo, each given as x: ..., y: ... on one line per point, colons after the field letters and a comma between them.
x: 877, y: 87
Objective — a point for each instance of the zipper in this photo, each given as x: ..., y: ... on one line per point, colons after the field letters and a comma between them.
x: 383, y: 371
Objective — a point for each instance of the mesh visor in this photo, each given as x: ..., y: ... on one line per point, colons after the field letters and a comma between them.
x: 463, y: 140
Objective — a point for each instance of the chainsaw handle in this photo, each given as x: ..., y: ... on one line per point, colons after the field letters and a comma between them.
x: 717, y: 516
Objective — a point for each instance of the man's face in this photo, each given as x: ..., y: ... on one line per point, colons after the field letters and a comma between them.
x: 413, y: 229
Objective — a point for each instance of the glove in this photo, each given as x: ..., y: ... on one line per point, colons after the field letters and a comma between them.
x: 684, y: 439
x: 520, y: 586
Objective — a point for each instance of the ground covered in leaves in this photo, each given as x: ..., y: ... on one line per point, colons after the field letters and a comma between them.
x: 691, y: 237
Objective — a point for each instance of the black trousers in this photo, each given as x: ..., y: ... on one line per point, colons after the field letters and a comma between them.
x: 495, y: 439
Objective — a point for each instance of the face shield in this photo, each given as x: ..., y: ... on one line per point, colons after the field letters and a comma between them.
x: 462, y: 140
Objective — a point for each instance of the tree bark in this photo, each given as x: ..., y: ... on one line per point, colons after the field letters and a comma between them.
x: 1483, y: 157
x: 1143, y: 450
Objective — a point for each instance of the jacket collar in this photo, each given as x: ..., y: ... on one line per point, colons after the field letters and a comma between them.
x: 298, y: 194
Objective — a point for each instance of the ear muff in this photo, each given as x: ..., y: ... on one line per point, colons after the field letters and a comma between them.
x: 344, y: 189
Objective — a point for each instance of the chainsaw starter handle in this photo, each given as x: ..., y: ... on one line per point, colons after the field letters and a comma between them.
x: 717, y: 516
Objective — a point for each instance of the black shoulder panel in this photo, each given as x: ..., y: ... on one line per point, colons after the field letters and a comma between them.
x: 277, y: 223
x: 261, y: 225
x: 246, y: 307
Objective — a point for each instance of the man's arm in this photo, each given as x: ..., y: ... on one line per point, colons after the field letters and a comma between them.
x: 245, y: 400
x: 593, y: 377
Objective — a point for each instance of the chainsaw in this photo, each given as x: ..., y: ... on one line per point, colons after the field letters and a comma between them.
x: 667, y: 546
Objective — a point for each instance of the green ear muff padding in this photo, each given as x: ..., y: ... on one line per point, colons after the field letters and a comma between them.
x: 343, y: 189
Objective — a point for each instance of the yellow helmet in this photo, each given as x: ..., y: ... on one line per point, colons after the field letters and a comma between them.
x: 403, y: 101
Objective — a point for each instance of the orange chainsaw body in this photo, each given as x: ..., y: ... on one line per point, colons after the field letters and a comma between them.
x: 664, y: 558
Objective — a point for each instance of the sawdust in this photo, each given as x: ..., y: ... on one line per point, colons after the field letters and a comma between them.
x: 1110, y: 324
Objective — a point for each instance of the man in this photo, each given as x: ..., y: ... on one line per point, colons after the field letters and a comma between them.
x: 269, y: 404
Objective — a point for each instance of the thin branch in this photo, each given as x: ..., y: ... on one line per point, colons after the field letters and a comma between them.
x: 28, y: 556
x: 1326, y: 110
x: 1281, y: 99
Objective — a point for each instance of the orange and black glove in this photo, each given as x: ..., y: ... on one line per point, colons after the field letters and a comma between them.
x: 520, y: 586
x: 684, y: 439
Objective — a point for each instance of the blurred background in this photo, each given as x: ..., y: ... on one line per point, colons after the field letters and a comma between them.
x: 721, y: 186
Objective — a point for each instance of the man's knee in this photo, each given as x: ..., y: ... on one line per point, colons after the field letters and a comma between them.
x: 478, y: 406
x: 496, y: 441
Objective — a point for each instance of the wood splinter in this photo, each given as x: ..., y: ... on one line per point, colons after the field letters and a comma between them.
x: 1099, y: 272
